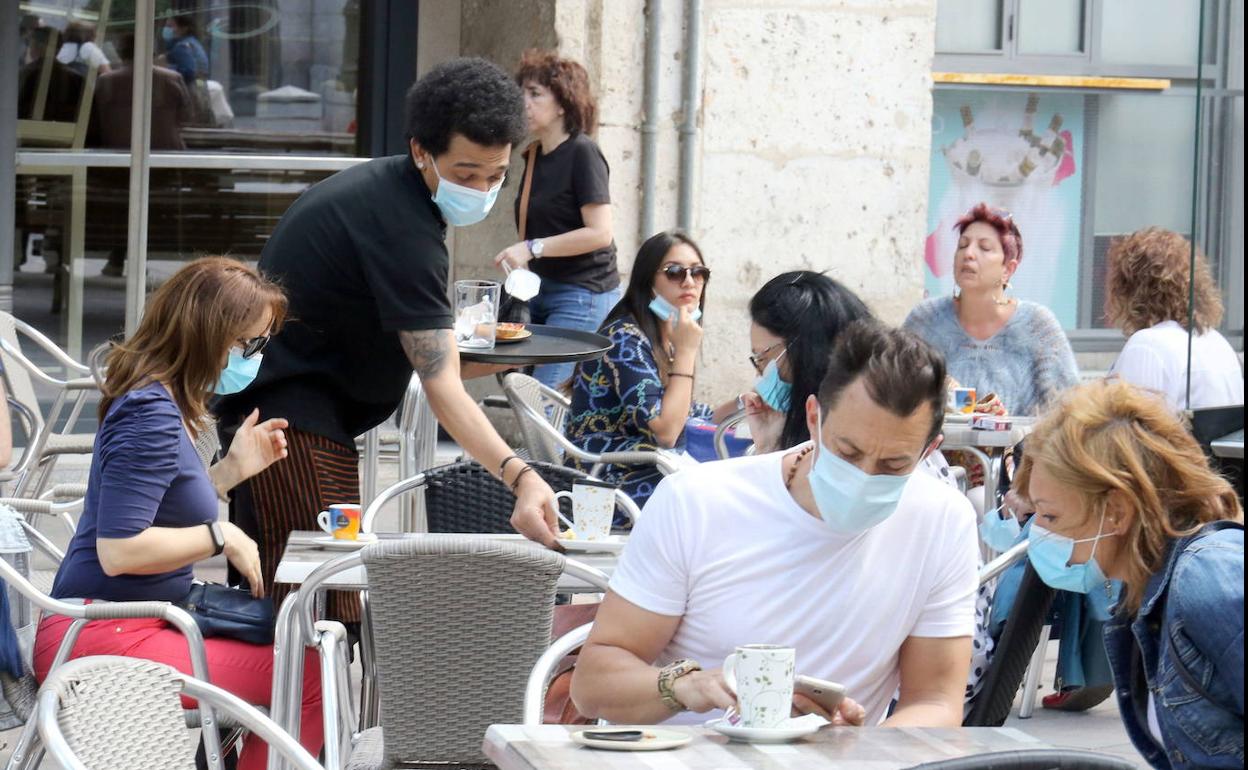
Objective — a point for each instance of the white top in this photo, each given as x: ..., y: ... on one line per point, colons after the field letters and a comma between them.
x: 1154, y: 727
x: 725, y: 546
x: 88, y: 53
x: 1156, y: 359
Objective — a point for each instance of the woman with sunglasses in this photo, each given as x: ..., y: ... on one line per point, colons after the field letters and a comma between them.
x: 1124, y: 493
x: 794, y: 322
x: 640, y: 395
x: 151, y: 509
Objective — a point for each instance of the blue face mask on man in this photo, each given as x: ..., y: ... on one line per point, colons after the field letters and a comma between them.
x: 666, y: 311
x: 460, y: 205
x: 849, y: 499
x: 238, y: 373
x: 1000, y: 530
x: 1050, y: 554
x: 166, y: 34
x: 775, y: 392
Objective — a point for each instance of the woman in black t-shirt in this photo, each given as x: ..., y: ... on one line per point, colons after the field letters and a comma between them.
x: 567, y: 229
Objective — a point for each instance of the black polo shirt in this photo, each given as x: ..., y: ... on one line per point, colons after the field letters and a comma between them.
x: 361, y: 256
x: 572, y: 175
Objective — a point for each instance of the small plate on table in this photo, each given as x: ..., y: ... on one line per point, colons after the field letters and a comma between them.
x: 790, y: 730
x: 337, y: 544
x: 652, y: 739
x: 608, y: 544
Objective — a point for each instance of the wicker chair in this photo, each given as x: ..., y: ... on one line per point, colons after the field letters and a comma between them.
x: 463, y: 497
x: 80, y: 702
x: 452, y: 658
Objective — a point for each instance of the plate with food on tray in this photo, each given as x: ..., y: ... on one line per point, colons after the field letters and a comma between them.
x: 511, y: 332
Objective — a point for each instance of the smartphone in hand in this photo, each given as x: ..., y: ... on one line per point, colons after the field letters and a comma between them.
x: 827, y: 694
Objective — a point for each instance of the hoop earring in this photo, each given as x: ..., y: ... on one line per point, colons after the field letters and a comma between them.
x: 1004, y: 299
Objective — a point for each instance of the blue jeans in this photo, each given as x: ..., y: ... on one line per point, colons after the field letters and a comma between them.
x: 571, y: 307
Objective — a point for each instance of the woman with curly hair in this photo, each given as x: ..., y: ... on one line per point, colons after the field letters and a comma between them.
x: 566, y: 234
x: 1149, y: 282
x: 1123, y: 492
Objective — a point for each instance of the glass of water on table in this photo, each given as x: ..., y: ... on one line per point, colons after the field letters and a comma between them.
x: 476, y: 314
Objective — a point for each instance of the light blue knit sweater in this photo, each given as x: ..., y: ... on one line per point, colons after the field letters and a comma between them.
x: 1027, y: 364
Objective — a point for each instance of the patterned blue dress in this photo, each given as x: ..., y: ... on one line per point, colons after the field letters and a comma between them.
x: 613, y: 401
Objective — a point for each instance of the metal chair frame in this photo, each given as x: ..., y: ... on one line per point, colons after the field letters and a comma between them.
x: 27, y: 753
x: 209, y: 697
x: 297, y: 628
x: 35, y: 467
x: 418, y: 481
x: 532, y: 419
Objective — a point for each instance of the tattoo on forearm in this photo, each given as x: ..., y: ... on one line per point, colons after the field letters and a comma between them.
x: 427, y: 350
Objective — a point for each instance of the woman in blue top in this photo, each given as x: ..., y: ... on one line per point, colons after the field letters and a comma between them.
x: 1123, y: 492
x: 151, y: 508
x: 639, y: 396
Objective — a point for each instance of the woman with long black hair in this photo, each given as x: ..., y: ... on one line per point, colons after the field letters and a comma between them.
x: 640, y: 395
x: 794, y: 322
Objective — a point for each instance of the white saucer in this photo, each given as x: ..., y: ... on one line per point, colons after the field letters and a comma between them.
x: 331, y: 542
x: 608, y: 544
x: 791, y: 730
x: 656, y: 739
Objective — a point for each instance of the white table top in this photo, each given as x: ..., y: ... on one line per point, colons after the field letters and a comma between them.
x: 960, y: 435
x: 550, y: 747
x: 303, y: 554
x: 1230, y: 446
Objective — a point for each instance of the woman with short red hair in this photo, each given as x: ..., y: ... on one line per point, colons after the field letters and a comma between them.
x: 993, y: 342
x: 563, y: 212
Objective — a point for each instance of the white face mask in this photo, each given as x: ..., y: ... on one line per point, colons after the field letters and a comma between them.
x: 462, y: 205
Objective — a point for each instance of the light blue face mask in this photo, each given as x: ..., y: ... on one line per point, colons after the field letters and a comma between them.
x: 166, y: 34
x: 849, y: 499
x: 1000, y: 533
x: 1050, y: 554
x: 463, y: 206
x: 666, y: 311
x: 775, y: 392
x: 239, y: 372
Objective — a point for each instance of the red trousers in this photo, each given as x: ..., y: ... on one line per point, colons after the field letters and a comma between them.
x: 241, y: 668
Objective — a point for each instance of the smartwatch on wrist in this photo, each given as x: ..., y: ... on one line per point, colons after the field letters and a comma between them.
x: 218, y: 537
x: 535, y: 246
x: 667, y: 681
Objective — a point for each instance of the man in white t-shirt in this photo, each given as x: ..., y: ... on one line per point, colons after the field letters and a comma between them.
x: 838, y: 549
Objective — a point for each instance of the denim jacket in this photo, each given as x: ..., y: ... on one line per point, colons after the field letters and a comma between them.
x: 1185, y: 646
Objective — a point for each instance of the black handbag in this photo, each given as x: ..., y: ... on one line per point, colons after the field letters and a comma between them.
x: 231, y: 612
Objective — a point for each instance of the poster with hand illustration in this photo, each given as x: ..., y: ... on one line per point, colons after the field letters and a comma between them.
x: 1021, y: 152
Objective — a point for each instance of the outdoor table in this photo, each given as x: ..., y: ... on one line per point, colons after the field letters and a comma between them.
x: 550, y: 747
x: 1230, y: 446
x: 985, y: 446
x: 303, y: 555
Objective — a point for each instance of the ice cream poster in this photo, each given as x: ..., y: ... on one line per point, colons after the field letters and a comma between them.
x: 1022, y: 152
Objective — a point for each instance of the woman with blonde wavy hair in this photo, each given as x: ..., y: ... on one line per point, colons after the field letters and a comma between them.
x: 1123, y: 492
x: 1149, y: 283
x: 151, y: 508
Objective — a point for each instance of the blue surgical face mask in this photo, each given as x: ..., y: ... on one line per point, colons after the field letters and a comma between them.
x: 238, y: 373
x: 463, y: 206
x: 1050, y: 554
x: 775, y: 392
x: 849, y: 499
x: 999, y: 532
x: 166, y: 34
x: 666, y: 311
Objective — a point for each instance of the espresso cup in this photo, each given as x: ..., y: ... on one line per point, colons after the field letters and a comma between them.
x: 761, y: 675
x: 593, y: 508
x: 341, y: 520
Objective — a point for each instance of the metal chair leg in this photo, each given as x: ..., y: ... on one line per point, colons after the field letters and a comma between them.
x: 1031, y: 681
x: 27, y: 752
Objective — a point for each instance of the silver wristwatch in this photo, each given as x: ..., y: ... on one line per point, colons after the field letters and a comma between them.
x: 536, y: 246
